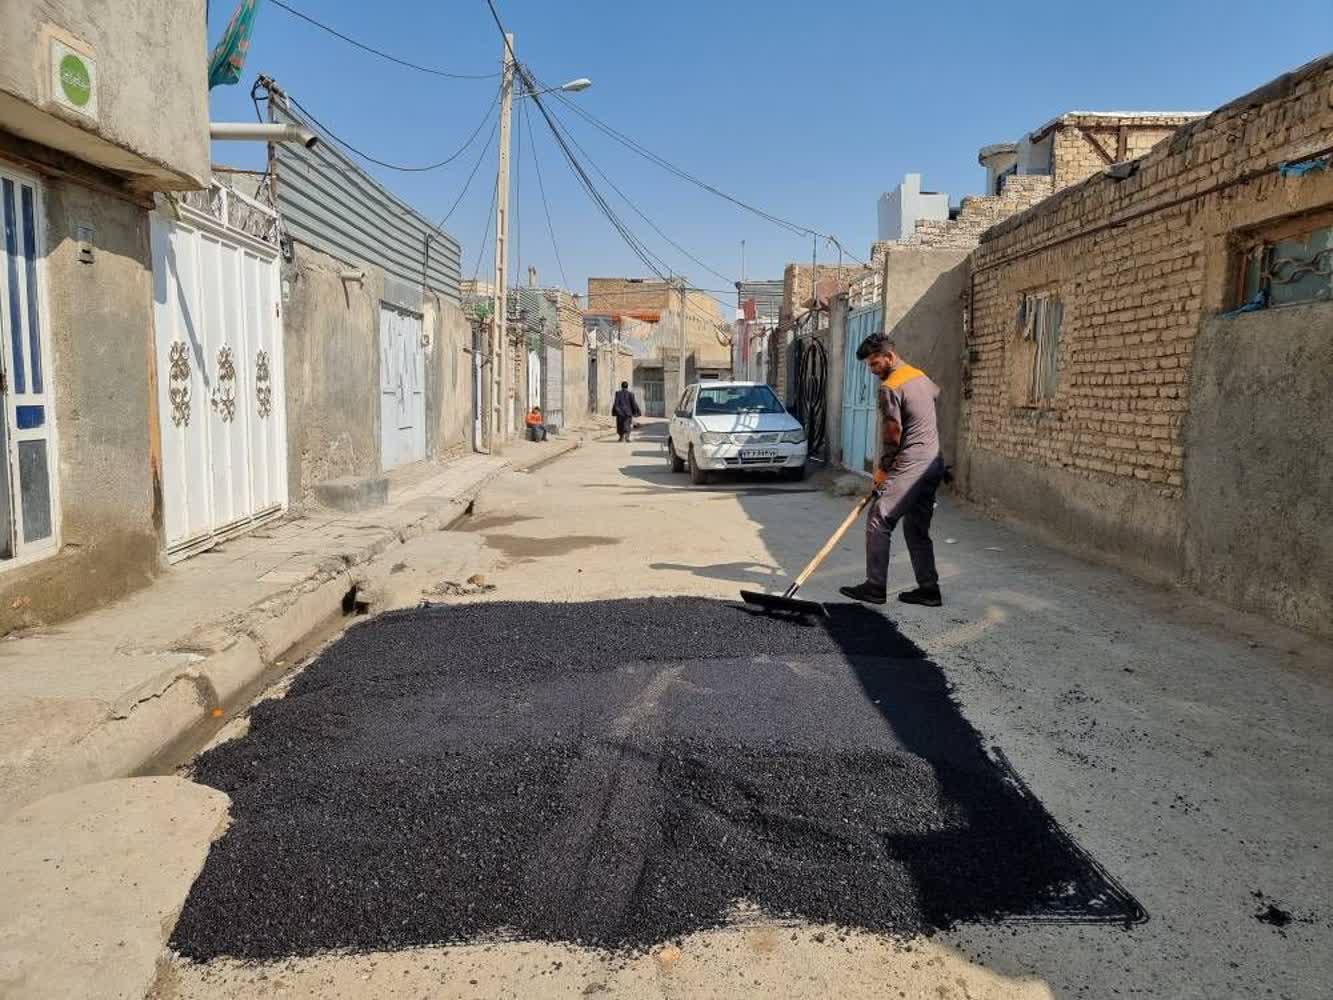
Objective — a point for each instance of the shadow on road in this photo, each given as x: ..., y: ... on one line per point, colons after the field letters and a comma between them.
x: 753, y: 574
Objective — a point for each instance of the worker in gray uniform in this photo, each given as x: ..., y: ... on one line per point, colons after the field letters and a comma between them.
x: 910, y: 471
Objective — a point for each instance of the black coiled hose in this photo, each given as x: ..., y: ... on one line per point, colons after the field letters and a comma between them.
x: 810, y: 398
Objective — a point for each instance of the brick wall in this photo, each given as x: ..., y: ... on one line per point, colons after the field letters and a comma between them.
x: 978, y: 213
x: 610, y: 295
x: 798, y: 283
x: 1138, y: 265
x: 1075, y: 154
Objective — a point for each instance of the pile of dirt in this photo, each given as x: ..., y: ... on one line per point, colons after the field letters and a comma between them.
x: 618, y: 774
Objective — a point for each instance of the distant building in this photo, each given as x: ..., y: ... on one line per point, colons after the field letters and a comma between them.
x: 646, y: 314
x: 901, y: 208
x: 1074, y: 146
x: 761, y: 310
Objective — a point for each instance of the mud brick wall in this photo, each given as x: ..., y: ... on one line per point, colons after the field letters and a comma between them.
x: 1075, y: 153
x: 976, y: 214
x: 1139, y: 264
x: 798, y: 283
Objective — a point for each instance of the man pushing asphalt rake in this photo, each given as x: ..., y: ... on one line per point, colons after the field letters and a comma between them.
x: 910, y: 471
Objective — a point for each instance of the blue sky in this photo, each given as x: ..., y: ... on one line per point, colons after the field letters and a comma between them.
x: 809, y: 111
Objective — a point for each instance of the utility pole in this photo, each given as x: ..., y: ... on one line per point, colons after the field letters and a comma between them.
x: 680, y: 363
x: 501, y: 413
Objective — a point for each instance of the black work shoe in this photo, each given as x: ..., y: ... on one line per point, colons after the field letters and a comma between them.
x: 926, y: 596
x: 864, y: 592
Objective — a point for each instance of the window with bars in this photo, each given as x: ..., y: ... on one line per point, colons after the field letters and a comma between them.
x: 1039, y: 318
x: 1288, y: 268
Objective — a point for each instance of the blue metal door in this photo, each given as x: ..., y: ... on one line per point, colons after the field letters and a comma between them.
x: 859, y: 412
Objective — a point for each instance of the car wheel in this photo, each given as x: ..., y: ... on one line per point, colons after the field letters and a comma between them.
x: 697, y: 475
x: 677, y: 463
x: 795, y: 474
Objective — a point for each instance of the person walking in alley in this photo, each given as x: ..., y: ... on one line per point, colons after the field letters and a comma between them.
x: 536, y: 424
x: 910, y: 471
x: 625, y: 408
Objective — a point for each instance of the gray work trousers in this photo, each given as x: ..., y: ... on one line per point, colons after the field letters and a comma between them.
x: 911, y: 499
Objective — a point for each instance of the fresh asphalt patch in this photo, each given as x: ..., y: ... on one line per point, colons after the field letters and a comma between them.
x: 619, y: 774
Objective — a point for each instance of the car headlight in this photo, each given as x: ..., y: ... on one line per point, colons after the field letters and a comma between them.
x: 794, y: 437
x: 714, y: 437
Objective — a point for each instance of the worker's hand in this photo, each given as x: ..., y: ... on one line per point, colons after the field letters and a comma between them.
x: 881, y: 480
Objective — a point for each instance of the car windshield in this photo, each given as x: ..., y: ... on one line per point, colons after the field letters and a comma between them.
x: 725, y: 399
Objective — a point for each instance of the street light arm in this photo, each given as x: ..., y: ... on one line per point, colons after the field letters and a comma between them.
x: 572, y: 87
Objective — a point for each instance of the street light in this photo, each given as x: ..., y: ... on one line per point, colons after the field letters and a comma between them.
x: 572, y: 87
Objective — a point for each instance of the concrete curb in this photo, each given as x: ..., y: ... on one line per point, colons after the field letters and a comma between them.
x: 225, y: 659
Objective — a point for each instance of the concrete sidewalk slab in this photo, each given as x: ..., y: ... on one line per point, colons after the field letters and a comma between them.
x: 105, y: 695
x: 94, y: 878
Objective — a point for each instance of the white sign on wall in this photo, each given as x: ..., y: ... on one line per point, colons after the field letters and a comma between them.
x: 73, y: 79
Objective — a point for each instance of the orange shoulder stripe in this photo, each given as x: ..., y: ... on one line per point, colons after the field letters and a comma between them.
x: 902, y: 375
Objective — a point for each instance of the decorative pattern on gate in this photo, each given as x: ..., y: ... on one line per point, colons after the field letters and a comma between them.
x: 263, y: 385
x: 178, y: 385
x: 224, y: 393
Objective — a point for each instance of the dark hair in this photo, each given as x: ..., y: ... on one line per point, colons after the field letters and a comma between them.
x: 876, y: 343
x: 624, y: 385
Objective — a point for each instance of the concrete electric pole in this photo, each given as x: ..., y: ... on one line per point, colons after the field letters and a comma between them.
x: 501, y: 415
x: 501, y: 420
x: 680, y: 364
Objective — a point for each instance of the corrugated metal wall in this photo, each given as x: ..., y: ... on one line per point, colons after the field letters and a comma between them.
x: 330, y: 203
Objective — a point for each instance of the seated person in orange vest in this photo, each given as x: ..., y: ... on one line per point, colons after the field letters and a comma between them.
x: 536, y: 426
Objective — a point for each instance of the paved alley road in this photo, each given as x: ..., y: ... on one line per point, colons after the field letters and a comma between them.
x: 1178, y: 760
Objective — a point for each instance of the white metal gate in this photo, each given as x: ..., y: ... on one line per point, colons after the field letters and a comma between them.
x: 402, y: 388
x: 554, y: 407
x: 535, y: 380
x: 28, y: 522
x: 220, y: 394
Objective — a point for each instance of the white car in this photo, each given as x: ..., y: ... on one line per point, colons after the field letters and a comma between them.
x: 740, y: 426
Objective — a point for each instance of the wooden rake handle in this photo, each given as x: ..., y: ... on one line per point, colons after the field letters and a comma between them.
x: 820, y: 556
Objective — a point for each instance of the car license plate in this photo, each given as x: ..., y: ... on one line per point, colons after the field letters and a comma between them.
x: 753, y: 453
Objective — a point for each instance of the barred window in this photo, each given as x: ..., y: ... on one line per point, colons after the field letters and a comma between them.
x: 1288, y: 270
x: 1039, y: 318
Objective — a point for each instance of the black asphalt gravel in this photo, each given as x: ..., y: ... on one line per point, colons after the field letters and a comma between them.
x: 618, y: 774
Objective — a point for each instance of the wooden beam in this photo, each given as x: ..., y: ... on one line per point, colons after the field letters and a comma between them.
x: 1122, y: 145
x: 1101, y: 151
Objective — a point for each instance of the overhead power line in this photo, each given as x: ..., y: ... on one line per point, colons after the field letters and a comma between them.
x: 640, y: 249
x: 680, y: 172
x: 686, y: 176
x: 475, y: 167
x: 638, y: 211
x: 379, y: 52
x: 650, y: 260
x: 541, y: 186
x: 487, y: 226
x: 384, y: 163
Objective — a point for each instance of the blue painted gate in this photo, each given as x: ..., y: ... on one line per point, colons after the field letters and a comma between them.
x: 859, y: 387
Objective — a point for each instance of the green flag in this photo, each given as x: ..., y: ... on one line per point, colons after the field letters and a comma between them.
x: 228, y: 59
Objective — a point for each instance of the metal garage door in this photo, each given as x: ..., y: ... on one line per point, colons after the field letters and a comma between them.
x: 221, y: 404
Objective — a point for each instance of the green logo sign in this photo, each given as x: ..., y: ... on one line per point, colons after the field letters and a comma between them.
x: 74, y: 80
